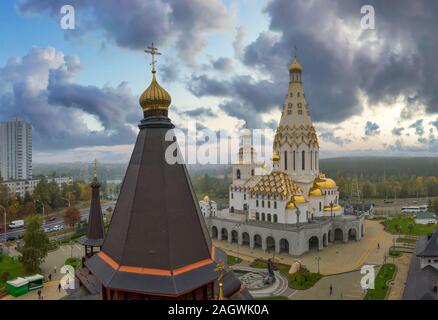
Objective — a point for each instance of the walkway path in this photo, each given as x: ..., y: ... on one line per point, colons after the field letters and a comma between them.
x: 402, y: 263
x: 336, y: 258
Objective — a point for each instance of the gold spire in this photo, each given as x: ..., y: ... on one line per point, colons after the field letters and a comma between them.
x: 295, y: 66
x: 154, y: 97
x: 219, y: 269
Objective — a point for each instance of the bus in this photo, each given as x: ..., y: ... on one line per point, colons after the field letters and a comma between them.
x: 422, y: 208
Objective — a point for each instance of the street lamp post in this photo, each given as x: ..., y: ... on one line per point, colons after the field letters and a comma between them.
x: 318, y: 258
x: 4, y: 214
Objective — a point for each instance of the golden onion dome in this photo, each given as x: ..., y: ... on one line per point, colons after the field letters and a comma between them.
x: 298, y: 199
x: 325, y: 183
x: 290, y: 205
x: 155, y: 97
x: 275, y: 157
x: 335, y: 208
x: 315, y: 192
x: 295, y: 66
x: 206, y: 198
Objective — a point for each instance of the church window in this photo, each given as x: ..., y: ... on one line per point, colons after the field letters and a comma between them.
x: 275, y: 204
x: 275, y: 218
x: 269, y: 204
x: 320, y: 206
x: 285, y: 160
x: 303, y: 160
x: 294, y: 160
x: 244, y: 196
x: 263, y: 203
x: 263, y: 216
x: 289, y: 111
x: 257, y: 216
x: 232, y: 195
x: 257, y: 203
x: 238, y: 174
x: 269, y: 217
x: 300, y: 111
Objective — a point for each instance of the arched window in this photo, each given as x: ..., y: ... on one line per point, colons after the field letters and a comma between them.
x: 257, y: 216
x: 263, y: 203
x: 303, y: 160
x: 269, y: 204
x: 294, y: 160
x: 263, y: 216
x: 257, y: 203
x: 238, y: 173
x: 275, y: 204
x: 285, y: 160
x: 232, y: 195
x: 320, y: 206
x: 275, y: 218
x: 269, y: 217
x: 244, y: 196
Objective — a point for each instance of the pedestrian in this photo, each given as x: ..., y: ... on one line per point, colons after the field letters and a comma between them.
x: 39, y: 294
x: 378, y: 245
x: 331, y: 289
x: 50, y: 277
x: 59, y: 287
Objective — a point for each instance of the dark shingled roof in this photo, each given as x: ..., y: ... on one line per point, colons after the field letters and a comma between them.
x: 431, y: 248
x: 95, y: 230
x: 157, y: 224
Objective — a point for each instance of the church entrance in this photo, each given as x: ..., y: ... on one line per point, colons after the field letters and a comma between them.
x: 245, y: 239
x: 214, y: 232
x: 313, y: 243
x: 284, y: 246
x: 234, y: 236
x: 339, y: 235
x: 352, y: 234
x: 224, y: 234
x: 257, y: 241
x: 270, y: 244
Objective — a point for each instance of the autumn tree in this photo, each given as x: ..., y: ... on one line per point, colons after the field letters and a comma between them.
x: 72, y: 216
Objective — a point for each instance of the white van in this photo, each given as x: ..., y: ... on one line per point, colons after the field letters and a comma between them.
x: 16, y: 224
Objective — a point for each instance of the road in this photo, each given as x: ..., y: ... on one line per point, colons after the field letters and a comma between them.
x: 49, y: 224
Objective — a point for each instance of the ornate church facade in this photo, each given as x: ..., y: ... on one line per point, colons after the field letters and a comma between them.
x: 295, y: 207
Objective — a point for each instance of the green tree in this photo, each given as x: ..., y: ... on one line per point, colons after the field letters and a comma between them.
x: 4, y: 194
x: 367, y: 189
x: 72, y: 216
x: 36, y: 244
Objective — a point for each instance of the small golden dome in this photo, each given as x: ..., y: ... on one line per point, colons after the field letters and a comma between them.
x: 335, y: 208
x: 325, y: 183
x: 155, y: 97
x: 206, y: 198
x: 290, y: 205
x: 315, y: 192
x: 295, y: 66
x: 298, y: 199
x: 275, y: 157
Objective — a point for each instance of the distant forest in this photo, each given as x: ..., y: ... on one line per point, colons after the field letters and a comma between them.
x: 371, y: 177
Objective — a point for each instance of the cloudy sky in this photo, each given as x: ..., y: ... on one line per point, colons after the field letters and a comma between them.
x: 371, y: 92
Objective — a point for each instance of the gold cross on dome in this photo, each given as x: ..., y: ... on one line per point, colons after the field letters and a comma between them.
x: 152, y: 51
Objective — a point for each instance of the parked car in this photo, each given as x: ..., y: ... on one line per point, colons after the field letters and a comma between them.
x: 11, y: 238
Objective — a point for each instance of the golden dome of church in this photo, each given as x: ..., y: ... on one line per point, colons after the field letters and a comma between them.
x: 295, y: 66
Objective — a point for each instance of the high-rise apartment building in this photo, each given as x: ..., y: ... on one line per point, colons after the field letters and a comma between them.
x: 16, y: 150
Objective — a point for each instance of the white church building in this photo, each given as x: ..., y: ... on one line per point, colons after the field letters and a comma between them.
x: 294, y: 208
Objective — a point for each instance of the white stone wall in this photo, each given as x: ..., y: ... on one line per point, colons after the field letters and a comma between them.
x: 429, y: 261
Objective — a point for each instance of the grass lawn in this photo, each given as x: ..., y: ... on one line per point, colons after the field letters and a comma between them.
x: 10, y: 269
x: 400, y: 225
x: 232, y: 260
x: 300, y: 280
x: 274, y: 298
x: 74, y: 262
x: 386, y: 273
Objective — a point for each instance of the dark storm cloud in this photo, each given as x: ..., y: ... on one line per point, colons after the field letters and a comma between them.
x: 134, y: 23
x: 38, y: 88
x: 371, y: 128
x: 397, y: 59
x: 397, y: 131
x: 249, y: 98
